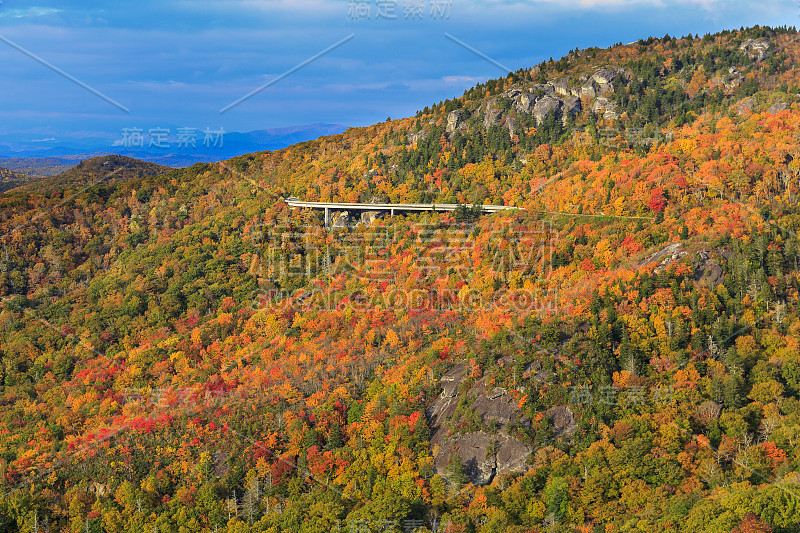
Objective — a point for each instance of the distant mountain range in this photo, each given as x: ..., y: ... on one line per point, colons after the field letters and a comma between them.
x: 174, y: 147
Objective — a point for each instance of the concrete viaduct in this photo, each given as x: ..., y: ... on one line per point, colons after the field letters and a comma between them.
x: 390, y: 208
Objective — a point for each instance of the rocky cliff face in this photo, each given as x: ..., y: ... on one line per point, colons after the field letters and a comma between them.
x: 340, y: 220
x: 755, y: 48
x: 454, y: 119
x: 486, y: 449
x: 569, y: 96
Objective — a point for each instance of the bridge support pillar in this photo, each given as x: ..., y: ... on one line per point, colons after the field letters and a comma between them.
x: 391, y: 212
x: 327, y: 216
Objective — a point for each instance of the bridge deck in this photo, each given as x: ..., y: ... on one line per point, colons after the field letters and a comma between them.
x: 386, y: 207
x: 340, y: 206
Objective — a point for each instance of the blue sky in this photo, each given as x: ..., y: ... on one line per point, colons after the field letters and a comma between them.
x: 176, y: 63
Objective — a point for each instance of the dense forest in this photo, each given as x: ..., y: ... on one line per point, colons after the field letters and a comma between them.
x: 182, y: 352
x: 10, y: 179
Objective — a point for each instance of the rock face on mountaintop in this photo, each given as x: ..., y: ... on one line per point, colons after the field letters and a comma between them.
x: 563, y: 419
x: 572, y: 106
x: 524, y: 103
x: 485, y: 451
x: 454, y: 118
x: 707, y: 270
x: 561, y: 87
x: 755, y: 48
x: 492, y: 114
x: 606, y: 107
x: 544, y: 107
x: 542, y: 99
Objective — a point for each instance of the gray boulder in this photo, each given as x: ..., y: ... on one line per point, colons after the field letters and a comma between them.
x: 563, y: 420
x: 604, y: 76
x: 561, y: 87
x: 735, y: 77
x: 453, y: 120
x: 544, y: 107
x: 368, y: 217
x: 481, y: 468
x: 746, y: 106
x: 340, y: 220
x: 604, y: 80
x: 417, y: 136
x: 707, y: 271
x: 492, y: 114
x: 755, y: 48
x: 588, y: 89
x: 605, y: 106
x: 525, y: 102
x: 572, y: 106
x: 510, y: 124
x: 605, y: 88
x: 542, y: 88
x: 777, y: 108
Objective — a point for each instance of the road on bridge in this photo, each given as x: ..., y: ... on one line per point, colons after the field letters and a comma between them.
x: 391, y: 208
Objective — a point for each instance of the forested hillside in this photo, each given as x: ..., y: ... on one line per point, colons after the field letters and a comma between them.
x: 10, y: 179
x: 182, y: 352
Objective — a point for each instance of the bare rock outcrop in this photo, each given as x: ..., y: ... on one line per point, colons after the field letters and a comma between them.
x: 735, y: 77
x: 604, y: 76
x: 563, y: 419
x: 561, y: 87
x: 544, y: 107
x: 755, y: 48
x: 746, y: 105
x: 588, y: 89
x: 417, y: 136
x: 572, y: 106
x: 340, y: 220
x: 483, y: 452
x: 707, y: 270
x: 454, y: 118
x: 368, y: 217
x: 99, y: 490
x: 481, y: 468
x: 543, y: 88
x: 777, y: 108
x: 606, y: 107
x: 665, y: 256
x: 492, y: 114
x: 510, y: 124
x: 525, y: 102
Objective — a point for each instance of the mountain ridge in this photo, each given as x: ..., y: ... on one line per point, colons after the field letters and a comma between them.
x: 23, y: 155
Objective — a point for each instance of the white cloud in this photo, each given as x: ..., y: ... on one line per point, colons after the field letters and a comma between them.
x: 462, y: 79
x: 28, y: 13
